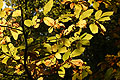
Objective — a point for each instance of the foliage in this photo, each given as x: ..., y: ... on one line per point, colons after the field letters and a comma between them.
x: 42, y: 38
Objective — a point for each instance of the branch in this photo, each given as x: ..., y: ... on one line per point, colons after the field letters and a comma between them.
x: 26, y: 45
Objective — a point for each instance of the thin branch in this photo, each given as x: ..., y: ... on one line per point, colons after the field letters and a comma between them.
x: 11, y: 28
x: 26, y: 45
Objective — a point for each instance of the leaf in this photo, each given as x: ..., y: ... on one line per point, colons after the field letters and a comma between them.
x: 85, y: 42
x: 1, y: 4
x: 67, y: 65
x: 14, y: 34
x: 93, y: 28
x: 109, y: 13
x: 77, y: 11
x: 5, y: 60
x: 96, y: 5
x: 87, y: 37
x: 108, y: 74
x: 86, y: 14
x: 77, y: 62
x: 28, y: 23
x: 48, y: 7
x: 48, y: 21
x: 84, y: 74
x: 98, y: 14
x: 67, y: 43
x: 62, y: 50
x: 4, y: 48
x: 90, y: 1
x: 58, y: 55
x: 82, y: 23
x: 66, y: 56
x: 102, y: 27
x: 104, y: 19
x: 50, y: 29
x: 48, y: 46
x: 2, y: 56
x: 55, y: 47
x: 16, y: 13
x: 77, y: 52
x: 2, y: 14
x: 7, y: 39
x: 34, y: 20
x: 62, y: 72
x: 30, y: 40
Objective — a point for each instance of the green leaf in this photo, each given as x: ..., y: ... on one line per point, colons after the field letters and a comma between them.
x: 66, y: 56
x: 1, y: 4
x: 58, y: 55
x: 62, y: 72
x: 104, y: 19
x: 86, y: 14
x: 108, y: 74
x: 4, y: 48
x: 28, y: 23
x: 5, y: 60
x: 98, y: 14
x: 93, y: 28
x: 96, y: 5
x: 77, y: 52
x: 14, y: 34
x: 48, y: 7
x: 109, y: 13
x: 55, y: 48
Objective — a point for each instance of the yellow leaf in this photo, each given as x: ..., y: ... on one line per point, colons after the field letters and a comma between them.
x: 66, y: 56
x: 50, y: 29
x: 98, y: 14
x: 16, y: 57
x: 16, y: 13
x: 67, y: 65
x: 2, y: 14
x: 40, y: 78
x: 77, y: 62
x: 102, y: 27
x: 48, y: 21
x: 5, y: 60
x: 28, y: 22
x: 90, y: 1
x: 2, y: 56
x: 36, y: 26
x: 54, y: 48
x: 96, y: 5
x: 104, y: 19
x: 62, y: 50
x: 81, y: 23
x: 87, y: 37
x: 7, y: 39
x: 77, y: 52
x: 48, y: 7
x: 67, y: 42
x: 86, y: 14
x: 14, y: 34
x: 4, y: 48
x: 1, y: 4
x: 93, y: 28
x: 77, y: 11
x: 109, y: 13
x: 62, y: 72
x: 58, y: 55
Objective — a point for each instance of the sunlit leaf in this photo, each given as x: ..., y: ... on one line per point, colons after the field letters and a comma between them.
x: 93, y: 28
x: 55, y: 47
x: 1, y: 4
x: 36, y: 26
x: 86, y: 14
x: 104, y: 19
x: 16, y: 13
x: 66, y: 56
x: 2, y: 56
x: 4, y: 48
x: 67, y: 42
x: 109, y: 13
x: 5, y: 60
x: 28, y: 22
x: 77, y: 11
x: 67, y: 65
x: 90, y: 1
x: 40, y: 78
x: 77, y: 62
x: 81, y: 23
x: 48, y: 46
x: 14, y: 34
x: 62, y: 50
x: 62, y: 72
x: 34, y: 20
x: 48, y: 7
x: 48, y: 21
x: 30, y: 40
x: 7, y: 39
x: 58, y: 55
x: 96, y: 5
x: 102, y: 27
x: 98, y: 14
x: 50, y: 29
x: 87, y: 37
x: 77, y: 52
x: 2, y: 13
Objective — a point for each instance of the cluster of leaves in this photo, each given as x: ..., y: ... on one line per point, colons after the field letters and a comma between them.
x: 109, y: 69
x: 56, y: 46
